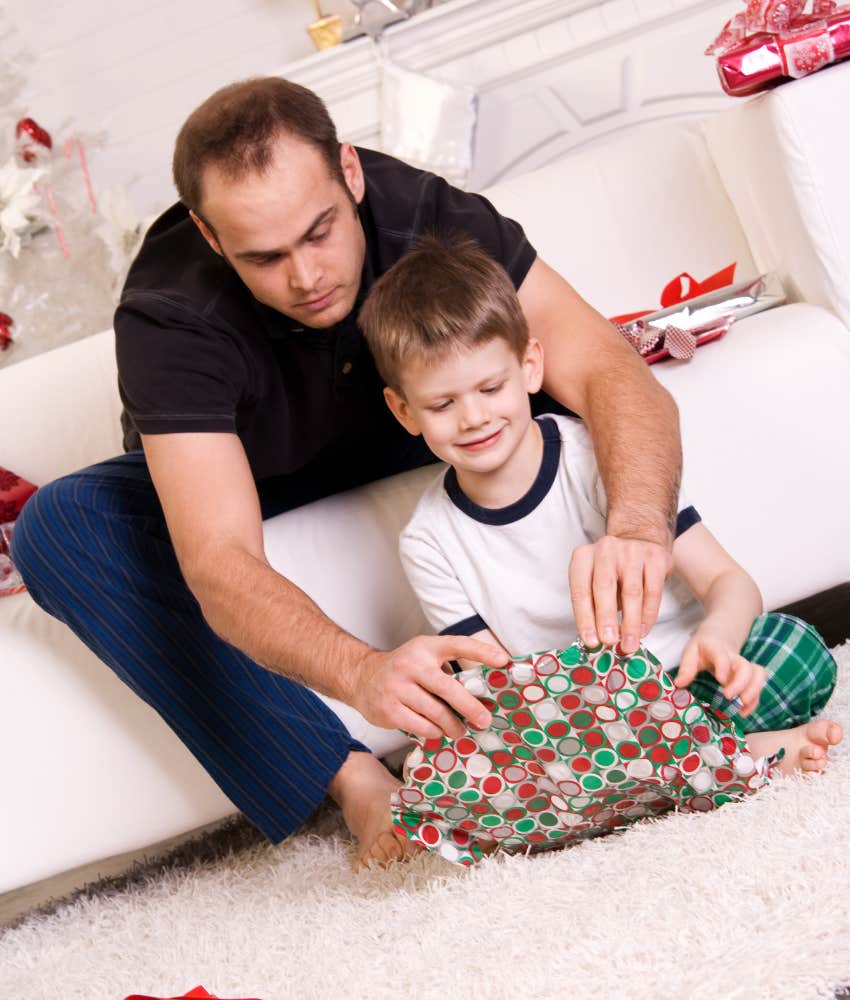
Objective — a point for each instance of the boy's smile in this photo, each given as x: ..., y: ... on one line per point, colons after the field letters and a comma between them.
x: 472, y: 408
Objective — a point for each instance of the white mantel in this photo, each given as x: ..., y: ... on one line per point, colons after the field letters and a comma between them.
x: 550, y: 75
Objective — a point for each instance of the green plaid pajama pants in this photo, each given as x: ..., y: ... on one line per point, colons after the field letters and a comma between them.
x: 801, y: 675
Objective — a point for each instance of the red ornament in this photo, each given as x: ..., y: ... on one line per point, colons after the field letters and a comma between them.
x: 33, y: 142
x: 6, y: 324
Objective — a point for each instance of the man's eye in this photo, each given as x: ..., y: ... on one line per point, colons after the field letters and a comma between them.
x: 266, y: 261
x: 318, y: 237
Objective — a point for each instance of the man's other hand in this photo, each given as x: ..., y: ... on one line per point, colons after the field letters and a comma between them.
x: 628, y: 573
x: 408, y: 689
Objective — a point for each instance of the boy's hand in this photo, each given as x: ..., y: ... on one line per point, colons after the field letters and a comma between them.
x: 738, y: 677
x: 407, y: 688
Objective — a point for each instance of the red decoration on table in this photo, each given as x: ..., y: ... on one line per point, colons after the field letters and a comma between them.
x: 198, y: 992
x: 6, y: 324
x: 32, y: 141
x: 776, y: 40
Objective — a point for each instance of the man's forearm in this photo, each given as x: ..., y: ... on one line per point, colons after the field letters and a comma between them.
x: 274, y: 622
x: 634, y: 423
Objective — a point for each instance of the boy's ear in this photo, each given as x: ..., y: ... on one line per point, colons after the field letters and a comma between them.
x: 401, y: 411
x: 532, y: 365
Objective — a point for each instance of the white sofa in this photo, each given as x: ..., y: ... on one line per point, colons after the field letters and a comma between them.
x: 89, y: 771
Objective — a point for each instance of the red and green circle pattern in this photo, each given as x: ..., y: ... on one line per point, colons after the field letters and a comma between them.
x: 582, y: 742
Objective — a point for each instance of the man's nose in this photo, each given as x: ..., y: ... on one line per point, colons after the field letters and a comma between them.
x: 304, y: 272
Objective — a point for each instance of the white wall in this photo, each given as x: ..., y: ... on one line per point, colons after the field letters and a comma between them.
x: 134, y: 69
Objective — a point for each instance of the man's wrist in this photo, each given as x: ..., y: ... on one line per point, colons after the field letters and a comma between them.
x: 657, y: 530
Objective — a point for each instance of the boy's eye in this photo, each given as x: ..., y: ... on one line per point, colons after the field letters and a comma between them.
x: 493, y: 388
x: 439, y: 407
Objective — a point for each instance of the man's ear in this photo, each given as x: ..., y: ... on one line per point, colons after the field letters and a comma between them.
x: 401, y: 411
x: 532, y: 364
x: 352, y: 171
x: 206, y: 232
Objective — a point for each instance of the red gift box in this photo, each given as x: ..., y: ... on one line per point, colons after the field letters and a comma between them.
x: 775, y: 41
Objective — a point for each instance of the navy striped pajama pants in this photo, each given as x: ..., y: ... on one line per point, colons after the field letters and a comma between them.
x: 94, y: 552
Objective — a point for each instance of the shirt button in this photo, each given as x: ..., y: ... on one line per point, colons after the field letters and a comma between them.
x: 346, y: 368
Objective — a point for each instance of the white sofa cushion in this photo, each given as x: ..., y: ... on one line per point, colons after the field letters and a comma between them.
x: 790, y: 190
x: 765, y: 415
x: 621, y: 219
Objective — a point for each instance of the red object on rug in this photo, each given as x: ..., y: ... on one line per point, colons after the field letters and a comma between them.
x: 198, y: 992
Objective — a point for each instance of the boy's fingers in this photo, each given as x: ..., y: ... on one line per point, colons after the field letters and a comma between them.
x: 580, y: 576
x: 740, y: 674
x: 687, y: 669
x: 752, y: 692
x: 722, y: 670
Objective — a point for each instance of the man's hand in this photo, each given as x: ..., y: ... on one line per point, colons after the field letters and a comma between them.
x: 739, y: 678
x: 407, y: 688
x: 624, y: 572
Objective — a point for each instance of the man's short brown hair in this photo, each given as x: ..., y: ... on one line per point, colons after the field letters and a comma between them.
x: 237, y: 126
x: 441, y: 296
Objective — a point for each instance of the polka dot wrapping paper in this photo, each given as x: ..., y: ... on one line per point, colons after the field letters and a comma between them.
x: 582, y: 742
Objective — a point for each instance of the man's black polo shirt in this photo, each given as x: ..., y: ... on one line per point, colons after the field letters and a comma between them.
x: 197, y: 352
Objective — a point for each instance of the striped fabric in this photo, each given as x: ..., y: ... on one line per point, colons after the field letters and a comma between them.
x: 94, y: 552
x: 801, y: 675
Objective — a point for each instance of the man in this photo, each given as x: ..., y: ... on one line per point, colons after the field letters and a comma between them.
x: 248, y: 386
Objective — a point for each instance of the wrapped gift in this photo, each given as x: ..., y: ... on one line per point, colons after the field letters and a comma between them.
x: 582, y: 742
x: 777, y: 40
x: 697, y: 313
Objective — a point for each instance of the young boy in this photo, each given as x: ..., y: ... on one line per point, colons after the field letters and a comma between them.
x: 494, y: 541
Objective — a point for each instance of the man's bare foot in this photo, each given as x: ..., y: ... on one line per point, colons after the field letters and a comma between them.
x: 362, y: 788
x: 806, y: 746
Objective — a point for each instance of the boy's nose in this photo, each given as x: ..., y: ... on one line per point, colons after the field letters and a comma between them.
x: 474, y: 414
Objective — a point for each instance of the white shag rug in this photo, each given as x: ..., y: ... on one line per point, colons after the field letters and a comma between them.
x: 751, y: 901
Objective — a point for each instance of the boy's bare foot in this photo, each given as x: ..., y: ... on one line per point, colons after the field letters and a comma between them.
x: 362, y: 788
x: 806, y: 746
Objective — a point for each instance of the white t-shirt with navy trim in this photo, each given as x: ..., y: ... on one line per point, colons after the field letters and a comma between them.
x: 507, y: 569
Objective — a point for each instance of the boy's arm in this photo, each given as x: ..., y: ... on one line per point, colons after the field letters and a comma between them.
x: 731, y: 600
x: 635, y: 429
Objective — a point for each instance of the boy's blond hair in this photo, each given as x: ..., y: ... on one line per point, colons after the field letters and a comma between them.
x: 441, y: 296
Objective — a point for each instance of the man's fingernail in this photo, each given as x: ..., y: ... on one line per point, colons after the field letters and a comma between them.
x: 644, y: 631
x: 630, y: 643
x: 608, y: 634
x: 590, y: 638
x: 483, y: 721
